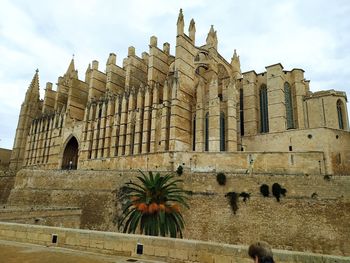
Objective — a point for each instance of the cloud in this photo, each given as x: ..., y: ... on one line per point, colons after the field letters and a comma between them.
x: 312, y: 35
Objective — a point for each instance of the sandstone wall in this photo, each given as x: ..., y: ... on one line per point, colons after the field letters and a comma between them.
x: 61, y: 217
x: 237, y: 162
x: 335, y: 144
x: 7, y: 180
x: 5, y: 155
x: 314, y: 216
x: 155, y: 248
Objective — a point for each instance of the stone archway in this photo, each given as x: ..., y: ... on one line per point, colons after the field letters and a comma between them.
x: 70, y: 155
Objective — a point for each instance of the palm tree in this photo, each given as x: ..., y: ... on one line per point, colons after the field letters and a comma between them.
x: 153, y: 206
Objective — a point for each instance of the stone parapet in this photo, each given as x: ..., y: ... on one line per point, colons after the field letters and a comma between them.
x: 156, y: 248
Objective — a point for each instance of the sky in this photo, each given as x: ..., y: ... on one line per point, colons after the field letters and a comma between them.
x: 310, y: 34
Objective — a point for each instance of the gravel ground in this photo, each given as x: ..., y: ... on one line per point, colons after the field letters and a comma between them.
x: 14, y: 252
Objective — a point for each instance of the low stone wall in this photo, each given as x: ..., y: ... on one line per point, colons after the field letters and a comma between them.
x: 157, y: 248
x: 53, y: 216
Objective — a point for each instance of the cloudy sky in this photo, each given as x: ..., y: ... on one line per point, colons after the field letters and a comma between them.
x: 313, y: 35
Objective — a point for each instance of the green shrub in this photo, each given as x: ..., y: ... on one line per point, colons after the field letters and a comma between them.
x: 245, y: 196
x: 221, y: 178
x: 264, y: 190
x: 179, y: 170
x: 327, y: 177
x: 277, y: 191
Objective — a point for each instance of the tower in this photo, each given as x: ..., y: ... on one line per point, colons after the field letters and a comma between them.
x: 30, y: 109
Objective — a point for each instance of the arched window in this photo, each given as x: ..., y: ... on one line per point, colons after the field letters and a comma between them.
x: 206, y: 143
x: 194, y: 134
x: 222, y: 131
x: 340, y: 111
x: 264, y: 115
x: 241, y: 113
x: 289, y: 106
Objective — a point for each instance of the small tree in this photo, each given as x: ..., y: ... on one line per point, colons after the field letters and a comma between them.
x: 153, y: 206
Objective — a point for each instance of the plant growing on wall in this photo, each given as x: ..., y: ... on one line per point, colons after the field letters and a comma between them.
x: 277, y: 191
x: 221, y: 178
x: 233, y: 199
x: 179, y: 170
x: 327, y: 177
x: 314, y: 195
x: 264, y: 190
x: 153, y: 206
x: 245, y: 196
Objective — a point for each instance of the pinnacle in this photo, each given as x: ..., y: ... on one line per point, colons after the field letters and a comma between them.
x: 181, y: 17
x: 211, y: 29
x: 71, y: 66
x: 192, y: 23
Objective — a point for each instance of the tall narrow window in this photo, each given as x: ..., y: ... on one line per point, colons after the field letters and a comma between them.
x: 206, y: 143
x: 222, y: 131
x: 241, y: 113
x: 194, y: 134
x: 289, y: 106
x: 264, y: 115
x: 340, y: 114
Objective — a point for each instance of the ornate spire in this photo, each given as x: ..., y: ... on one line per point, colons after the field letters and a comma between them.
x: 33, y: 89
x: 192, y: 30
x: 180, y: 23
x: 71, y: 69
x: 71, y: 66
x: 212, y: 39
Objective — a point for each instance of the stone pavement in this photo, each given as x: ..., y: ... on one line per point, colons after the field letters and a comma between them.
x: 14, y: 252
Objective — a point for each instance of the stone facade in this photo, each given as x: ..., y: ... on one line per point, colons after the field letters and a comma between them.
x: 192, y: 105
x: 5, y: 156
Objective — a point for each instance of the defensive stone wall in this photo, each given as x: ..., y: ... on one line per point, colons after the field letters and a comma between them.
x: 171, y: 250
x: 314, y: 215
x: 236, y: 162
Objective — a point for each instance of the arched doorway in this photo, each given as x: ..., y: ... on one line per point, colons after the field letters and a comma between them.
x: 70, y: 155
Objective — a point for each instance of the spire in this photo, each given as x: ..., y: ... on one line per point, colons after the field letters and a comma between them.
x: 212, y: 39
x: 180, y: 23
x: 33, y: 89
x: 192, y: 31
x: 71, y: 72
x: 71, y: 66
